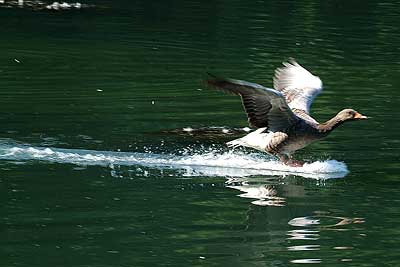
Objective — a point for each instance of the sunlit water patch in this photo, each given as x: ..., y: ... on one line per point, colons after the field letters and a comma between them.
x: 190, y: 163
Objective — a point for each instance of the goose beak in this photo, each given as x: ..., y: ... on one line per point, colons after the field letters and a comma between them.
x: 359, y: 116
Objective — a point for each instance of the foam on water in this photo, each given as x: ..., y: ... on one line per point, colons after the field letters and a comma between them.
x: 210, y: 163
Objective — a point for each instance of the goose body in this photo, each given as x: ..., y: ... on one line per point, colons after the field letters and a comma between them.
x: 281, y: 115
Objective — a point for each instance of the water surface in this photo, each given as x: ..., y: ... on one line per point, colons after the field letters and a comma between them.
x: 90, y: 101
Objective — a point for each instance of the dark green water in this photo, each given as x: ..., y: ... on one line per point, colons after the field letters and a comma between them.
x: 116, y: 77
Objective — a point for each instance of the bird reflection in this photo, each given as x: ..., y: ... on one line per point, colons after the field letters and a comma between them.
x: 316, y: 220
x: 264, y: 194
x: 311, y: 229
x: 266, y: 190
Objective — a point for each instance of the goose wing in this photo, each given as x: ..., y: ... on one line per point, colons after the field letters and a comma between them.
x: 298, y: 85
x: 265, y: 107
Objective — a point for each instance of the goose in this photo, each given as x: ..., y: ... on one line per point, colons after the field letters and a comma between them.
x: 281, y: 115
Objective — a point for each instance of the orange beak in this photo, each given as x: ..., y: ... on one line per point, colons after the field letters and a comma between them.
x: 359, y: 116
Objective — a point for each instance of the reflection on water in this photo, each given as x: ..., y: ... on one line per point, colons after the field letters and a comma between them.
x: 314, y: 229
x: 253, y: 188
x: 306, y: 261
x: 324, y: 221
x: 303, y: 234
x: 304, y: 247
x: 265, y: 195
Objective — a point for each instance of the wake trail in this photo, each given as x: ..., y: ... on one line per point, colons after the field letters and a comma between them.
x: 194, y: 163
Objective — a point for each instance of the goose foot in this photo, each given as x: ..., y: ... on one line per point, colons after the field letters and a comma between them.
x: 289, y: 161
x: 295, y: 163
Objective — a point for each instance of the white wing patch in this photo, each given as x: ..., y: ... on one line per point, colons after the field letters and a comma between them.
x: 298, y: 85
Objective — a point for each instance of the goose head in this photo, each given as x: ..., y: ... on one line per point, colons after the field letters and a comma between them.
x: 349, y: 114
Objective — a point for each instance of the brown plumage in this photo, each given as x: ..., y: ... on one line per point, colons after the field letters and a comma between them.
x: 282, y: 114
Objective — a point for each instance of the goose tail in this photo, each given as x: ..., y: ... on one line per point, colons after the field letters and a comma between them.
x: 235, y: 143
x: 257, y: 139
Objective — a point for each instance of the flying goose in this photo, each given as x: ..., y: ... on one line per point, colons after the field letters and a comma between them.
x: 282, y: 115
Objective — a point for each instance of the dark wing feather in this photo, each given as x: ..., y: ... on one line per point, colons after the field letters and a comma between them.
x: 265, y: 107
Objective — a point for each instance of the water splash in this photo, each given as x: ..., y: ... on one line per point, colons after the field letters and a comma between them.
x: 209, y: 163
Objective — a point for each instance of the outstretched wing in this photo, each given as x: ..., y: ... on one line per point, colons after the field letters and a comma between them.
x: 265, y: 107
x: 298, y: 85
